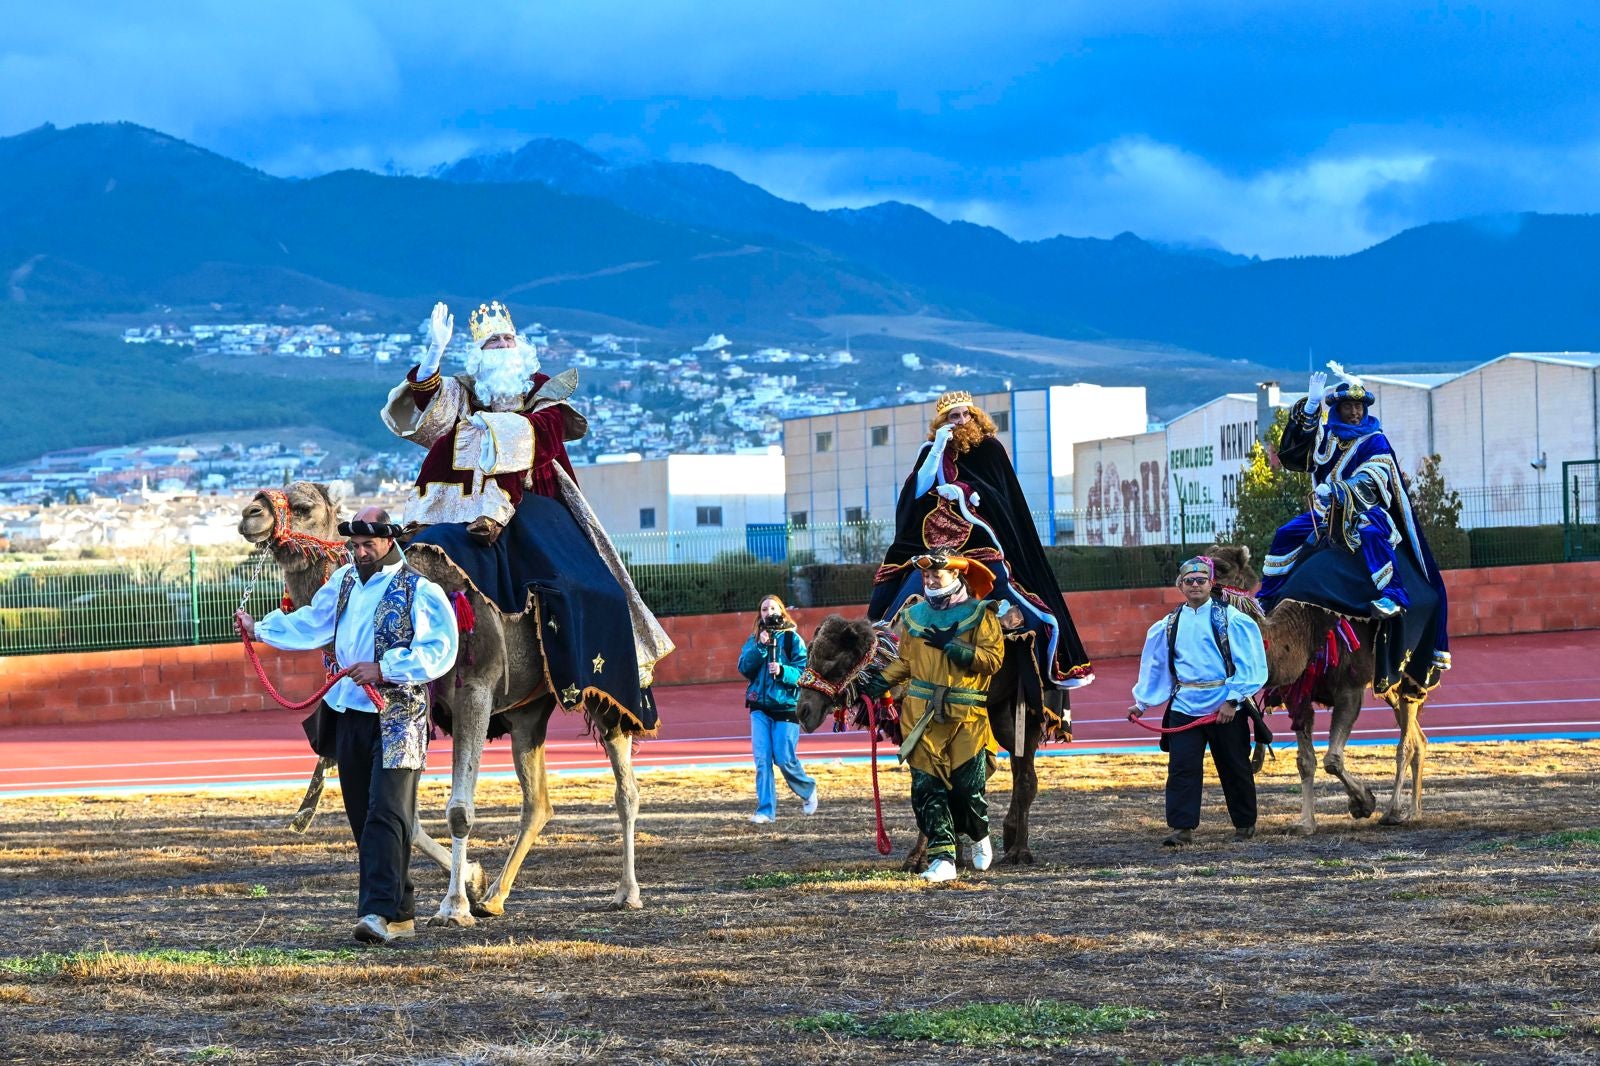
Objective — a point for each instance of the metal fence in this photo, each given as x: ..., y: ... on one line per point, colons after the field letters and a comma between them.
x: 65, y: 606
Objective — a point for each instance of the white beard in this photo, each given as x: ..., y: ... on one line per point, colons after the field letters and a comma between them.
x: 501, y: 376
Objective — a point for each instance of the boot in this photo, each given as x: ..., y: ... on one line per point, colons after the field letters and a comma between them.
x: 1178, y: 838
x: 1244, y: 832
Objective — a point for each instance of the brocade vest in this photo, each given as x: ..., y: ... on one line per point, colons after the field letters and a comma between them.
x: 403, y: 722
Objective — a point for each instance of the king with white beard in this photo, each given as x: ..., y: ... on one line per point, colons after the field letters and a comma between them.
x: 493, y: 433
x: 497, y: 464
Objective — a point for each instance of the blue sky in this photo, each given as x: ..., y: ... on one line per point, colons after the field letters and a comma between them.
x: 1278, y: 127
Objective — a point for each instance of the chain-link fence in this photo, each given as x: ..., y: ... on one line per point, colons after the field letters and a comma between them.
x: 65, y: 606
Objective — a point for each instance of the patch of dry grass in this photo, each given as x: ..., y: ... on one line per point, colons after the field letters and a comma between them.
x: 162, y: 931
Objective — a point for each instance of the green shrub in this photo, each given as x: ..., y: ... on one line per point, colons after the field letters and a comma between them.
x: 1513, y: 545
x: 833, y: 584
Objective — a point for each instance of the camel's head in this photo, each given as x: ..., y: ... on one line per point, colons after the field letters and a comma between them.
x: 837, y: 649
x: 304, y: 507
x: 1233, y: 566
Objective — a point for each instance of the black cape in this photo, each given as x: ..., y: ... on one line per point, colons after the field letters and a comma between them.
x: 1003, y: 537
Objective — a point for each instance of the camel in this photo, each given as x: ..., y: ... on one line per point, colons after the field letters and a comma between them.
x: 504, y: 677
x: 837, y: 653
x: 1294, y: 633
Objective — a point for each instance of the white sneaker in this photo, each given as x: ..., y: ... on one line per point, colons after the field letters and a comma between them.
x: 760, y: 819
x: 940, y: 870
x: 373, y: 929
x: 810, y: 806
x: 982, y: 854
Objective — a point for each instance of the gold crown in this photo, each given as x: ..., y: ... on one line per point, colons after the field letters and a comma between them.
x: 490, y: 320
x: 950, y: 400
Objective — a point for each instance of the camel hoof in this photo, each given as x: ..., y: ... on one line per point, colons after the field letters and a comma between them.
x: 488, y: 908
x: 1395, y: 817
x: 627, y: 903
x: 452, y: 921
x: 1017, y: 857
x: 1304, y: 830
x: 915, y: 863
x: 1363, y: 806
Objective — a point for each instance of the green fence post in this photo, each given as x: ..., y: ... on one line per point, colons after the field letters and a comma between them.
x: 194, y: 598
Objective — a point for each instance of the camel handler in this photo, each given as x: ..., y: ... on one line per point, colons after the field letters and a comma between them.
x: 950, y: 648
x: 1205, y: 657
x: 397, y: 631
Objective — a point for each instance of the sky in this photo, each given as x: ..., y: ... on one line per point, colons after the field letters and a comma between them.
x: 1271, y: 128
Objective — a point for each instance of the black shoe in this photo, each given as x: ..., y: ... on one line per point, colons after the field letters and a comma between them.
x: 1244, y: 832
x: 1178, y: 837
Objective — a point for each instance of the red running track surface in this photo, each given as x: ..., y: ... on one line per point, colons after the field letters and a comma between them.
x: 1530, y: 686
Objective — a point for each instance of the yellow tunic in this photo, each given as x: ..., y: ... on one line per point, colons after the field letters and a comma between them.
x: 964, y: 732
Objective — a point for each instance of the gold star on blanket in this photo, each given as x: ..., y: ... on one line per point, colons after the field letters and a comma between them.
x: 570, y: 694
x: 599, y: 663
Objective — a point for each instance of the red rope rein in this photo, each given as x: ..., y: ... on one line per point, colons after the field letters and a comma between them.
x: 884, y: 844
x: 266, y: 682
x: 1196, y: 724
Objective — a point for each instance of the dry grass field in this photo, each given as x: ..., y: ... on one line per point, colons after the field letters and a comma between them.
x: 194, y: 928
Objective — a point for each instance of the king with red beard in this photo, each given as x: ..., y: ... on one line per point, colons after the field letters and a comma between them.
x: 963, y: 498
x: 498, y: 497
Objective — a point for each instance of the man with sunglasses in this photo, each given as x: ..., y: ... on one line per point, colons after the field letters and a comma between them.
x: 1207, y: 657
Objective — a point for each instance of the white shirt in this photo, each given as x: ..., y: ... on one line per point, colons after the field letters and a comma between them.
x: 433, y: 644
x: 1199, y: 659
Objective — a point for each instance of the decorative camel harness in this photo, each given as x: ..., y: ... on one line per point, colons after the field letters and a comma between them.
x: 849, y: 690
x: 283, y: 535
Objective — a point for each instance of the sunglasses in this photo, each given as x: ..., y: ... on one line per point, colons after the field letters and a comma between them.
x: 1196, y: 580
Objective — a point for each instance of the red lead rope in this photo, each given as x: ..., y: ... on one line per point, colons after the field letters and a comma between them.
x: 884, y: 845
x: 1196, y: 724
x: 266, y: 682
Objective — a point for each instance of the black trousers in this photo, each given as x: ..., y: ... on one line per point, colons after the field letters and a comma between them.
x: 1230, y: 753
x: 382, y: 808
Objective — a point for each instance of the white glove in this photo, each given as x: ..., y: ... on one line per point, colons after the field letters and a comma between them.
x: 973, y: 499
x: 950, y: 492
x: 440, y: 329
x: 1323, y: 494
x: 1315, y: 387
x: 941, y: 437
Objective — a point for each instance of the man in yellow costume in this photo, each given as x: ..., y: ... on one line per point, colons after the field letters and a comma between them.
x: 950, y: 649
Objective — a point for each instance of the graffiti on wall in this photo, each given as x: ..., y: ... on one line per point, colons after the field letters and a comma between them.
x: 1126, y: 511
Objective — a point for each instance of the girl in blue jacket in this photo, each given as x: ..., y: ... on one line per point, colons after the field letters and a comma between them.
x: 772, y: 659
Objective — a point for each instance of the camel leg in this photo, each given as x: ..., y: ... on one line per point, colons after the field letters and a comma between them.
x: 469, y: 729
x: 527, y: 754
x: 1346, y: 707
x: 308, y: 805
x: 619, y: 747
x: 1024, y: 787
x: 1408, y: 755
x: 916, y: 859
x: 1305, y: 761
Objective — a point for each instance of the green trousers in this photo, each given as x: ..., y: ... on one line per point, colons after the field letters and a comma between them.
x: 943, y: 811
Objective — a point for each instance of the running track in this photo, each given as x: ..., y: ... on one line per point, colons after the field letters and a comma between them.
x: 1525, y: 687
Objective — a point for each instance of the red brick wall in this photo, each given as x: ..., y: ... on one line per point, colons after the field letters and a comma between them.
x: 147, y: 683
x: 216, y: 678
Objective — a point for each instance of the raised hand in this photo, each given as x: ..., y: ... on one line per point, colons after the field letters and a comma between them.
x: 440, y: 329
x: 1315, y: 387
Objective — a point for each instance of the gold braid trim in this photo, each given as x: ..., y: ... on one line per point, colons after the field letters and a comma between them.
x: 427, y: 384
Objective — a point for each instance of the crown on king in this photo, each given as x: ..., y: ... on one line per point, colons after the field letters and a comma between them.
x: 949, y: 400
x: 490, y: 320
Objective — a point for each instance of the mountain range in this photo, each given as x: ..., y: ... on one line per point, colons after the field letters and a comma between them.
x: 117, y: 217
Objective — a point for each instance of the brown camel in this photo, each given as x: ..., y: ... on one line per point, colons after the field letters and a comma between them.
x: 505, y: 677
x: 839, y: 646
x: 1294, y: 632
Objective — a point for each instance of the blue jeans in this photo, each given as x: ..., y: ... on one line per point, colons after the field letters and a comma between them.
x: 773, y: 744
